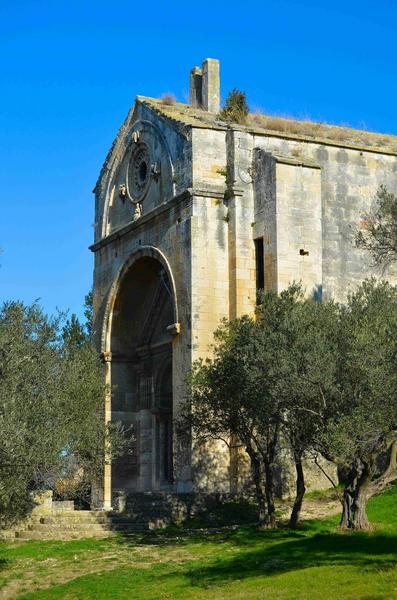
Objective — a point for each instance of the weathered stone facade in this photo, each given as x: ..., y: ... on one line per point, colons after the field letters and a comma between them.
x: 192, y: 215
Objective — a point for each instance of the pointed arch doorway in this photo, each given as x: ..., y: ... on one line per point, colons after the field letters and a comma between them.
x: 142, y: 320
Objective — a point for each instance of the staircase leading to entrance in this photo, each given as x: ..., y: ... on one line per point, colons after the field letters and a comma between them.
x: 77, y: 524
x: 142, y: 512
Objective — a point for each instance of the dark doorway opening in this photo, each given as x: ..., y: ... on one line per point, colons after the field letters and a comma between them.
x: 141, y: 376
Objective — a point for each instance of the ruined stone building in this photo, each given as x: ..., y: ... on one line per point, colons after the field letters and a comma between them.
x: 193, y: 214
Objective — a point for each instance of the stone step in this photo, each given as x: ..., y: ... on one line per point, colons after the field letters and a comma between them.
x: 130, y: 527
x: 63, y: 527
x: 62, y: 531
x: 72, y: 535
x: 68, y: 513
x: 147, y: 513
x: 71, y: 520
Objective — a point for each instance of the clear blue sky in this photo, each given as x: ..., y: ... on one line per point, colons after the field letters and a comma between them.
x: 71, y: 69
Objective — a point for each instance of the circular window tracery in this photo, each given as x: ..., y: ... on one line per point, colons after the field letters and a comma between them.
x: 139, y: 172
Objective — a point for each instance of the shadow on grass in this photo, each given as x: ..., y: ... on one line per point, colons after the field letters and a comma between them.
x: 367, y: 552
x: 239, y: 536
x: 225, y: 514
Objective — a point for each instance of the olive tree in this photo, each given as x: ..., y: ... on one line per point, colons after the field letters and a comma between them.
x: 364, y: 424
x: 307, y: 384
x: 231, y: 400
x: 378, y: 232
x: 245, y: 390
x: 320, y: 376
x: 51, y: 408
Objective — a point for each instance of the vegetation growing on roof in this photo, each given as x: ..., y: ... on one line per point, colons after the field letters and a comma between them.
x: 236, y: 108
x: 342, y: 135
x: 168, y: 99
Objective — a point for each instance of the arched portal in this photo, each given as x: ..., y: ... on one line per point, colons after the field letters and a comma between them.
x: 140, y: 343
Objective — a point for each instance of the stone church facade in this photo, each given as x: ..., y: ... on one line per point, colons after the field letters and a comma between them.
x: 192, y: 215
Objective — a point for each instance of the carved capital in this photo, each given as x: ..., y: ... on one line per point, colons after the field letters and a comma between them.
x: 106, y: 356
x: 174, y: 329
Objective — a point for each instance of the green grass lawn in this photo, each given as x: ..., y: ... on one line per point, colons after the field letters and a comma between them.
x: 316, y: 562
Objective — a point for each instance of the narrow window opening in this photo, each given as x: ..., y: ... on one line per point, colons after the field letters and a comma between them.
x: 260, y: 266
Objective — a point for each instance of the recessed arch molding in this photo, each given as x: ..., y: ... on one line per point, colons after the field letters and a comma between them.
x: 141, y: 252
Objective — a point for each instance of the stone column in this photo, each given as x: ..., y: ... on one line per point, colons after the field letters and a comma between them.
x: 107, y: 476
x: 145, y: 450
x: 196, y: 88
x: 211, y: 85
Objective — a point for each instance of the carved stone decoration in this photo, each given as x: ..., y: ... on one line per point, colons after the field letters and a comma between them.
x: 139, y: 172
x: 143, y: 178
x: 123, y: 192
x: 137, y: 210
x: 245, y: 174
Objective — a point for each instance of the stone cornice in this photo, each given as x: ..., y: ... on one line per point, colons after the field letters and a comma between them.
x: 209, y: 192
x: 139, y: 223
x: 296, y: 162
x: 156, y: 212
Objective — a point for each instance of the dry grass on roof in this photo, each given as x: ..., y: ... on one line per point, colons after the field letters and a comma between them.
x: 279, y: 124
x: 322, y: 130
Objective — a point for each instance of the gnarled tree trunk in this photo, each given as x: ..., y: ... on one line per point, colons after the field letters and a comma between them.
x: 362, y: 487
x: 359, y: 518
x: 355, y: 497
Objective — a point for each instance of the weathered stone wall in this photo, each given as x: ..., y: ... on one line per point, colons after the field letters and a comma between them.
x: 210, y: 281
x: 350, y: 178
x: 306, y: 200
x: 208, y: 159
x: 288, y: 216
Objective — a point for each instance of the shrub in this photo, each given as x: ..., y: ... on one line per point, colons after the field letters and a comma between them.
x: 236, y: 107
x: 168, y: 99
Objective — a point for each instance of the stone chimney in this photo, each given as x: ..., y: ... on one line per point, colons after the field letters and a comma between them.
x: 205, y: 86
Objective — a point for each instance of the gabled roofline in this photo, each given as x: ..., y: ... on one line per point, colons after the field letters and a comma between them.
x: 122, y: 132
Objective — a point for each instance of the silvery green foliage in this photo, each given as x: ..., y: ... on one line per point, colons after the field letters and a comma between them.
x: 318, y: 375
x: 378, y: 231
x: 52, y: 423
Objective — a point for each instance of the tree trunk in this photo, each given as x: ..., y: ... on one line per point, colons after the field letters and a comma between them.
x: 271, y: 509
x: 300, y: 492
x: 345, y: 522
x: 355, y: 498
x: 359, y: 512
x: 260, y: 496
